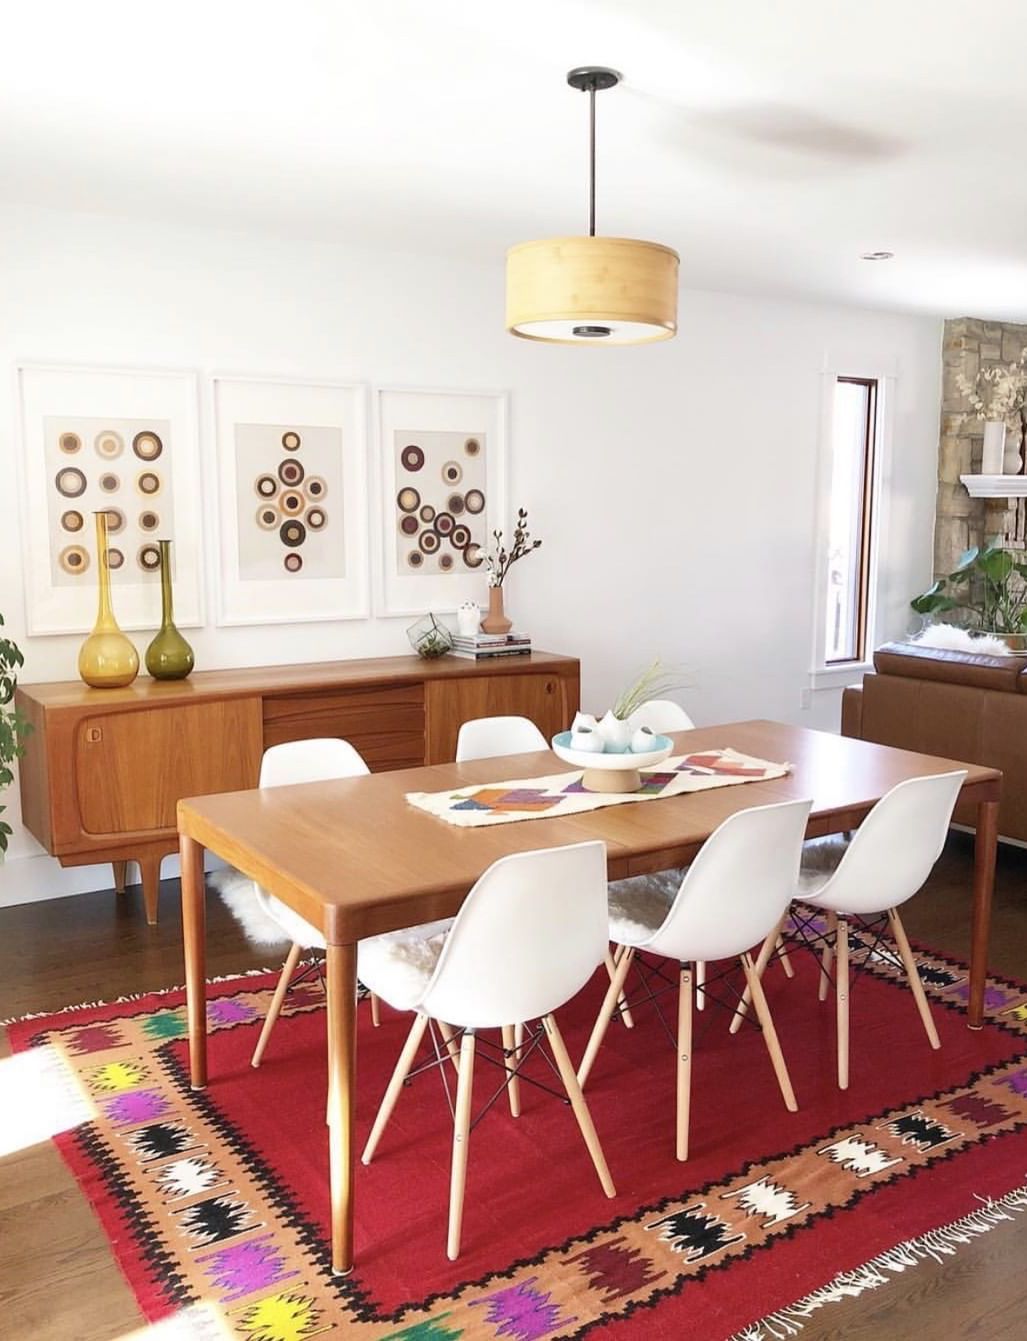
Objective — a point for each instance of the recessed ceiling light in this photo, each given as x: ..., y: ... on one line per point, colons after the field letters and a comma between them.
x: 876, y: 255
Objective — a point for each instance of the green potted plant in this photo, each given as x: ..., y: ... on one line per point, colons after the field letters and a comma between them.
x: 988, y: 587
x: 13, y: 727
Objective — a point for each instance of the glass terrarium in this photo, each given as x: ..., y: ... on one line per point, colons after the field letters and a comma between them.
x: 430, y: 638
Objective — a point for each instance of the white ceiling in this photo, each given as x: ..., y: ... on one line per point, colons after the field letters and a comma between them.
x: 769, y: 141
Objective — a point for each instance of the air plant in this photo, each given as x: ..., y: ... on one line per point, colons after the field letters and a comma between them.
x: 654, y: 682
x: 500, y: 560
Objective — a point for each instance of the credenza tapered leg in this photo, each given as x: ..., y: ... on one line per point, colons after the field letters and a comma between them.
x: 120, y: 869
x: 149, y: 871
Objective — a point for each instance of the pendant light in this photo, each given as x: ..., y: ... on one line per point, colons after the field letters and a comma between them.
x: 592, y: 290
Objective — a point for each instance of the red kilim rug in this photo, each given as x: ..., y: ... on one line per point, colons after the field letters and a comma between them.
x: 215, y: 1204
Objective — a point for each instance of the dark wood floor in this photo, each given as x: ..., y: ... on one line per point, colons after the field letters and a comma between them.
x: 58, y: 1281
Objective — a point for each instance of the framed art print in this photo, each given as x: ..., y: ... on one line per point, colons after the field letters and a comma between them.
x: 293, y: 505
x: 441, y: 458
x: 121, y: 441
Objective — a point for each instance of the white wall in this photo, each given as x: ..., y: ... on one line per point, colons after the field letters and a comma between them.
x: 674, y: 485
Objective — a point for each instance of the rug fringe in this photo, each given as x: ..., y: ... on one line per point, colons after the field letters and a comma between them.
x: 935, y: 1244
x: 134, y: 996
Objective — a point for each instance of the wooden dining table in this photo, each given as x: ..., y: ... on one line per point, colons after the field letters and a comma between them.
x: 355, y: 858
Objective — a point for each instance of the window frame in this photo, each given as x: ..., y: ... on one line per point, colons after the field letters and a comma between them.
x: 826, y: 674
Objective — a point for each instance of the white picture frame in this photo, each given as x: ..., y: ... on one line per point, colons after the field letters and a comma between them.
x: 435, y: 413
x: 58, y: 402
x: 253, y: 417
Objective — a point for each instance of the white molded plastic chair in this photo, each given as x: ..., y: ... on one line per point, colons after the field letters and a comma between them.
x: 662, y: 716
x: 489, y: 737
x: 887, y: 860
x: 732, y: 895
x: 321, y: 760
x: 529, y: 936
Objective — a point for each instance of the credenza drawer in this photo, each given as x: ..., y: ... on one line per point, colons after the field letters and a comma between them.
x: 385, y: 723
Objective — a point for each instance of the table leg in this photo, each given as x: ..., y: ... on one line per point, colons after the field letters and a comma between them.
x: 342, y: 1058
x: 985, y: 846
x: 194, y: 932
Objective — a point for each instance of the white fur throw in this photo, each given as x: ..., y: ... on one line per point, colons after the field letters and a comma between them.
x: 949, y: 638
x: 239, y: 894
x: 820, y: 859
x: 639, y: 905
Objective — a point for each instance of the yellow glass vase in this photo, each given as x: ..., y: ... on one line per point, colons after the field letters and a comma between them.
x: 107, y: 659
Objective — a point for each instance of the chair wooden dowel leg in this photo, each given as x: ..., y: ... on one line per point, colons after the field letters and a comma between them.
x: 684, y: 1064
x: 376, y: 1017
x: 700, y: 983
x: 513, y: 1084
x: 909, y: 964
x: 461, y: 1135
x: 399, y: 1075
x: 824, y: 981
x: 626, y: 1016
x: 842, y: 993
x: 762, y: 1009
x: 606, y: 1012
x: 578, y: 1104
x: 277, y: 1002
x: 762, y: 960
x: 452, y: 1046
x: 785, y: 957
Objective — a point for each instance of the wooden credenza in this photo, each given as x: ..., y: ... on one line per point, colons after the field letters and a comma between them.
x: 105, y: 768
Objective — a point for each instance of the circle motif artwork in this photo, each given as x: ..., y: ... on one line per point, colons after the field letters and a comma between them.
x: 109, y: 444
x: 266, y: 486
x: 148, y: 558
x: 148, y: 521
x: 148, y: 483
x: 72, y: 521
x: 115, y: 520
x: 452, y: 473
x: 427, y: 513
x: 291, y: 472
x: 291, y: 440
x: 293, y: 563
x: 445, y: 562
x: 472, y: 447
x: 73, y: 559
x: 455, y: 504
x: 408, y: 500
x: 70, y: 482
x: 293, y: 533
x: 109, y: 483
x: 292, y: 503
x: 115, y: 558
x: 444, y: 523
x: 415, y: 558
x: 147, y: 445
x: 316, y: 519
x: 408, y: 525
x: 473, y: 556
x: 429, y: 542
x: 460, y: 537
x: 315, y: 487
x: 412, y: 457
x: 474, y: 501
x: 268, y: 517
x: 69, y: 443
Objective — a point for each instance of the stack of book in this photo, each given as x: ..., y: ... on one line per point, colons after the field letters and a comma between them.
x: 489, y: 646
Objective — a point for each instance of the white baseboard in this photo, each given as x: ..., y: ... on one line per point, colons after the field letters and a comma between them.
x: 35, y: 877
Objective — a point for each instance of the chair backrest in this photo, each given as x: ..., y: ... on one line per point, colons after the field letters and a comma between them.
x: 530, y: 934
x: 739, y: 885
x: 319, y: 760
x: 489, y: 737
x: 893, y: 850
x: 662, y: 715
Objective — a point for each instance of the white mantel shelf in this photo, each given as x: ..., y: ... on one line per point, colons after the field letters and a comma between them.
x: 995, y: 486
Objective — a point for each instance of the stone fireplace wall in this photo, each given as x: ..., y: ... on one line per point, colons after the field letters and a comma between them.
x: 968, y: 345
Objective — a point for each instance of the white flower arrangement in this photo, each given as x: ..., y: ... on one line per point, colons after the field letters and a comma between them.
x: 997, y: 392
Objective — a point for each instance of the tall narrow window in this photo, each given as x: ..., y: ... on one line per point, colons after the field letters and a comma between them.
x: 850, y: 539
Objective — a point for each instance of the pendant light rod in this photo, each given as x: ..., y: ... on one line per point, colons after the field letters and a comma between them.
x: 591, y: 79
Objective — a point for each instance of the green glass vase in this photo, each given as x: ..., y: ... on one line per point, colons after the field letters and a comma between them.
x: 169, y: 656
x: 107, y: 659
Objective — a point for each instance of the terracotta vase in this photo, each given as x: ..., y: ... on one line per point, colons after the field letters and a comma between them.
x: 496, y: 621
x: 169, y: 656
x: 107, y: 659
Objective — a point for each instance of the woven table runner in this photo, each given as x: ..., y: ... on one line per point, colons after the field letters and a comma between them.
x: 563, y: 794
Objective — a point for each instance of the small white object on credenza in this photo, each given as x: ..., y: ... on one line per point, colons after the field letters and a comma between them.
x: 995, y: 486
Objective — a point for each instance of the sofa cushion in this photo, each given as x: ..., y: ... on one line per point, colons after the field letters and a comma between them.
x: 966, y: 668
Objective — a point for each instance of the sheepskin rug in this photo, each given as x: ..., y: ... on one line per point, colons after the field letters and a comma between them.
x: 239, y: 895
x: 949, y: 638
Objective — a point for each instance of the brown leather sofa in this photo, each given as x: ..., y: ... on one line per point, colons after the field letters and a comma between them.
x: 954, y: 704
